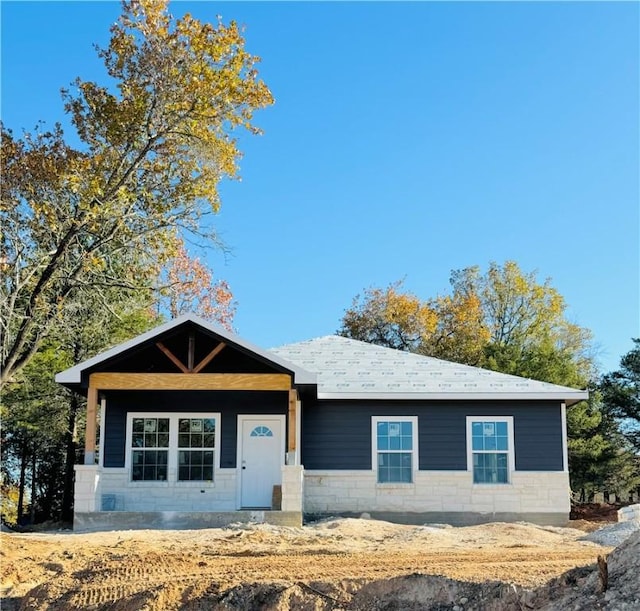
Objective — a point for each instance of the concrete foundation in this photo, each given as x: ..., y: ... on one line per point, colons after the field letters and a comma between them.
x: 454, y: 518
x: 178, y: 520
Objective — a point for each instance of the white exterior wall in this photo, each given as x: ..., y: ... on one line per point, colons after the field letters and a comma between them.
x: 436, y: 491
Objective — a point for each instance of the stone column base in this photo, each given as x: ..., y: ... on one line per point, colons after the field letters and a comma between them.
x: 87, y: 489
x: 292, y: 482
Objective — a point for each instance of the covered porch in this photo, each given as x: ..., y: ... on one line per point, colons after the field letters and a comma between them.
x: 150, y: 421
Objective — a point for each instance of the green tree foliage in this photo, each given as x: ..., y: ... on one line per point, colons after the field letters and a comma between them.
x: 600, y: 458
x: 43, y: 423
x: 155, y: 146
x: 9, y: 494
x: 33, y: 427
x: 621, y: 392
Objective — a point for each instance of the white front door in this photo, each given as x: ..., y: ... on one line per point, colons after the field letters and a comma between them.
x: 260, y: 458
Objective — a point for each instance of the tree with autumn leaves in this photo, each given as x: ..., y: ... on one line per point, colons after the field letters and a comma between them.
x: 187, y: 285
x: 507, y: 320
x: 92, y: 249
x: 503, y: 319
x: 154, y: 148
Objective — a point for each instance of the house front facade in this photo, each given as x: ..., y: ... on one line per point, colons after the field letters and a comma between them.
x: 189, y: 425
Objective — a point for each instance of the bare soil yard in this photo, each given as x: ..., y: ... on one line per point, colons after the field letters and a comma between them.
x: 327, y: 565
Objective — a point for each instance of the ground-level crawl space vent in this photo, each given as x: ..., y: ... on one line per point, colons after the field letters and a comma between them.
x: 112, y: 502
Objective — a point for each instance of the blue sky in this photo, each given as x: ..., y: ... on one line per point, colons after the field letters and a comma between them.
x: 407, y: 140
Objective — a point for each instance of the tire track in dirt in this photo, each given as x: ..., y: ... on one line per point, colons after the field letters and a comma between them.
x: 153, y: 581
x: 130, y: 570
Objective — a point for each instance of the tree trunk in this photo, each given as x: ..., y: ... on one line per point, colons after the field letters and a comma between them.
x: 23, y: 480
x: 70, y: 449
x: 33, y: 486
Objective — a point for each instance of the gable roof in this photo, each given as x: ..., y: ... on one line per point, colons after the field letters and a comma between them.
x: 73, y: 376
x: 351, y: 369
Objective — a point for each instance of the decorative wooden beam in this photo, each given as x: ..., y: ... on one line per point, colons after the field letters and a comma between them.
x: 191, y: 353
x: 207, y: 359
x: 91, y: 425
x: 172, y: 357
x: 187, y: 381
x: 291, y: 421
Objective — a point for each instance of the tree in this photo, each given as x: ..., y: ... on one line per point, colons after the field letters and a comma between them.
x: 528, y: 331
x: 33, y: 426
x: 444, y: 327
x: 503, y: 319
x: 42, y: 422
x: 388, y: 318
x: 154, y: 148
x: 459, y: 333
x: 186, y: 285
x: 600, y: 459
x: 621, y: 392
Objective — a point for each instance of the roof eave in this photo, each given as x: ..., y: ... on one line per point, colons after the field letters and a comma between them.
x: 568, y: 398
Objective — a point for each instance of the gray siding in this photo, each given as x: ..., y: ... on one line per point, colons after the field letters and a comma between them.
x: 228, y: 403
x: 337, y: 434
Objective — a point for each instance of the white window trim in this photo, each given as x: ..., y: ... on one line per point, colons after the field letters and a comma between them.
x: 172, y: 462
x: 511, y: 454
x: 414, y: 451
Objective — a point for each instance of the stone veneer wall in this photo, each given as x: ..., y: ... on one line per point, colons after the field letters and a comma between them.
x: 445, y: 494
x: 438, y: 492
x: 292, y: 487
x: 94, y: 483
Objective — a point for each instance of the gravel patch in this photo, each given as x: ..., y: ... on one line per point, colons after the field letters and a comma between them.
x: 613, y: 535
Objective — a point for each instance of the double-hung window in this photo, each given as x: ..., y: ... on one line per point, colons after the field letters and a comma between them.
x: 490, y: 448
x: 150, y: 443
x: 173, y: 448
x: 395, y: 448
x: 196, y: 445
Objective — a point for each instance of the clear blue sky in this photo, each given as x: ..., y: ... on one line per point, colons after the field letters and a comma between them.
x: 407, y: 140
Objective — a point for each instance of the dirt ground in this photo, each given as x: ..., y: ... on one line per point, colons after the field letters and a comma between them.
x: 327, y: 562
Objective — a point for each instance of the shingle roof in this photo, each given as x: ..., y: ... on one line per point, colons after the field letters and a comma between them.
x: 345, y: 368
x: 351, y: 369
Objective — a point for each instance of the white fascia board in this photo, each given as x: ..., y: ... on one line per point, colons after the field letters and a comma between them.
x: 571, y: 397
x: 73, y: 375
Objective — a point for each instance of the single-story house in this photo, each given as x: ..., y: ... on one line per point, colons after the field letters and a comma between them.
x: 198, y: 427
